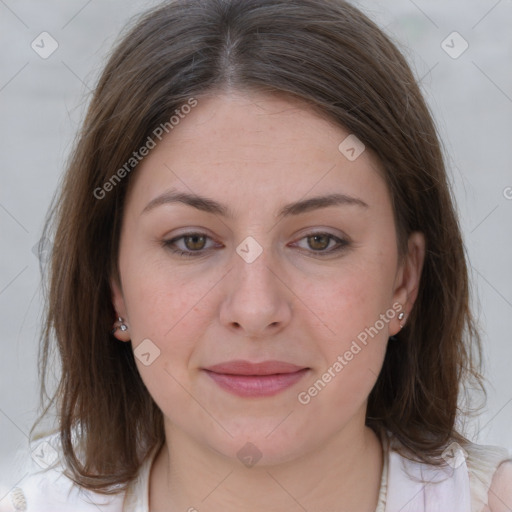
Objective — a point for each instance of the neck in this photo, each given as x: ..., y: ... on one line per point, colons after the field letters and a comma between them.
x: 343, y: 474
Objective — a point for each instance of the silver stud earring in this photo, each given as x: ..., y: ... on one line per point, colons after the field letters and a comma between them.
x: 401, y: 316
x: 122, y: 326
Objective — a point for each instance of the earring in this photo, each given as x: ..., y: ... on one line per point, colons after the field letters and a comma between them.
x: 401, y: 316
x: 122, y: 326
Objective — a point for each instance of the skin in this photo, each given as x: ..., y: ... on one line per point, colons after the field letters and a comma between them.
x: 255, y: 153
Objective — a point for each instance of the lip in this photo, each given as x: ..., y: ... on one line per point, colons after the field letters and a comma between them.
x: 241, y: 367
x: 247, y: 379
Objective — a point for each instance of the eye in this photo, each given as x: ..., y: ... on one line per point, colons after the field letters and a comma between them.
x: 318, y: 243
x: 194, y: 244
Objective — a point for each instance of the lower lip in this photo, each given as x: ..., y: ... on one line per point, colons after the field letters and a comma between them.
x: 256, y: 385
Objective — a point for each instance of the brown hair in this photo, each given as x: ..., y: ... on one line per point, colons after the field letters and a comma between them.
x: 330, y: 56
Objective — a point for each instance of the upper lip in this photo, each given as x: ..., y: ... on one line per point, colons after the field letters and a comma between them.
x: 241, y: 367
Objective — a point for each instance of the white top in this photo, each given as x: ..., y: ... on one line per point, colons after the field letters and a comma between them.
x: 462, y: 486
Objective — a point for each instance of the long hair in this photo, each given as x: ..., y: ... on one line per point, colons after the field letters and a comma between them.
x: 332, y: 57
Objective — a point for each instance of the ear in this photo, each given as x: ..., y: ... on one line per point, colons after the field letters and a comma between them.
x: 408, y: 278
x: 120, y: 308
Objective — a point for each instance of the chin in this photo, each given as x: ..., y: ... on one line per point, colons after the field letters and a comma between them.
x: 265, y: 446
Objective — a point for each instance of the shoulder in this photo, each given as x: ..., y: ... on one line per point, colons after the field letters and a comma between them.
x: 500, y: 491
x: 490, y: 472
x: 476, y: 478
x: 45, y: 486
x: 415, y: 486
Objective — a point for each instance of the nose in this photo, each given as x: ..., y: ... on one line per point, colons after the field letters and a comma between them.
x: 257, y: 300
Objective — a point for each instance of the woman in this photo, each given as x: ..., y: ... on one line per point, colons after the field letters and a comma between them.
x: 258, y: 285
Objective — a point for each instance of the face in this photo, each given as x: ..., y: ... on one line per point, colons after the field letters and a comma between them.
x: 244, y: 275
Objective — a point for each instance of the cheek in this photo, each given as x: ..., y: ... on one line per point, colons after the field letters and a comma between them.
x: 352, y: 350
x: 166, y: 307
x: 356, y: 313
x: 159, y: 295
x: 354, y: 297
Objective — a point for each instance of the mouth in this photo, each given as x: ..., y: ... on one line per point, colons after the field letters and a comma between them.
x: 247, y: 379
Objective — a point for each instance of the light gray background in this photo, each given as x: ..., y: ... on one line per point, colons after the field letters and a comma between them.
x: 42, y: 103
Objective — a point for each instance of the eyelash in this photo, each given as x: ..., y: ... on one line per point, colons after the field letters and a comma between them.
x: 342, y: 244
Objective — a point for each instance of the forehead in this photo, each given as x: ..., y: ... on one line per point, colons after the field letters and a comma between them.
x: 258, y: 147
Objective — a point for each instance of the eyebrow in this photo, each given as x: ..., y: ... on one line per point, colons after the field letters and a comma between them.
x: 211, y: 206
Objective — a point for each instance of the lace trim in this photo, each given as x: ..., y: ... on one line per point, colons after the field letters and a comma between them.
x: 482, y: 462
x: 383, y: 491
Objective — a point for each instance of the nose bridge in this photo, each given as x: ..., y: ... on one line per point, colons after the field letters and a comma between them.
x: 255, y: 297
x: 253, y: 265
